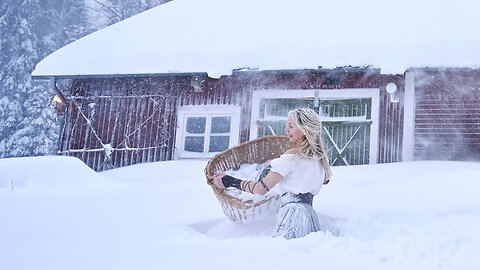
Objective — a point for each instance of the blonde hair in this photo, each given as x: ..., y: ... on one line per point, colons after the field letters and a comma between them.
x: 308, y: 121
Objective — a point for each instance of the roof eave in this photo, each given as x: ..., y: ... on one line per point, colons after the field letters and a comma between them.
x: 104, y: 76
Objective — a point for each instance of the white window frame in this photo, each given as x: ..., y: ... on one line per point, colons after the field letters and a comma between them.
x: 372, y: 93
x: 208, y: 111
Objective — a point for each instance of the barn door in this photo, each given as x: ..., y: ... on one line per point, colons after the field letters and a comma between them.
x: 346, y: 125
x: 346, y: 130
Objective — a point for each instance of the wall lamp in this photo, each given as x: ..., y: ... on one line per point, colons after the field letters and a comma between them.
x: 391, y: 89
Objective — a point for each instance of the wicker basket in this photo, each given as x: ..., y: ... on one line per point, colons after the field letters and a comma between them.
x: 255, y: 151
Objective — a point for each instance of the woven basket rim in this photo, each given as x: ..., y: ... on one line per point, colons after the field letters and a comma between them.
x: 209, y: 171
x: 234, y: 148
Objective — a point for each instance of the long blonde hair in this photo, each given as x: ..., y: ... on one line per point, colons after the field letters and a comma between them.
x: 308, y: 121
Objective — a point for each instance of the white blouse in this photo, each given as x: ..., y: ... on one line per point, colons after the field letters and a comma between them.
x: 300, y: 175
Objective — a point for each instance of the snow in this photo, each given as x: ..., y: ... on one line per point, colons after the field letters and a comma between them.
x: 219, y: 36
x: 251, y: 172
x: 56, y: 213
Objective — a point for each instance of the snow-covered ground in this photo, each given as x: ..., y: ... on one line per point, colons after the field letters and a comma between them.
x: 56, y: 213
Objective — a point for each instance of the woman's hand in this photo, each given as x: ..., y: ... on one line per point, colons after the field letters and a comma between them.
x: 217, y: 179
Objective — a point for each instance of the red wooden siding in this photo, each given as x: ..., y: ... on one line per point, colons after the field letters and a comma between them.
x: 391, y: 120
x: 138, y: 124
x: 447, y: 115
x: 137, y: 115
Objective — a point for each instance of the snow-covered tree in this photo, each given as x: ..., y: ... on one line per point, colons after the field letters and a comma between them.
x: 114, y: 11
x: 32, y: 29
x: 18, y: 56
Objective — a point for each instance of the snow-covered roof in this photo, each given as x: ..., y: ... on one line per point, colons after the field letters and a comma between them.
x: 218, y: 36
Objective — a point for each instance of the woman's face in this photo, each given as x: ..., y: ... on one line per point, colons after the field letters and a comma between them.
x: 295, y: 135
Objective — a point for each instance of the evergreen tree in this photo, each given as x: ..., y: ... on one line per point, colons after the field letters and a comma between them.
x: 29, y: 31
x: 18, y: 58
x: 32, y: 29
x: 118, y: 10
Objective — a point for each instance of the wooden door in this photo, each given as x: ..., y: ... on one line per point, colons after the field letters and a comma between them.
x: 346, y: 125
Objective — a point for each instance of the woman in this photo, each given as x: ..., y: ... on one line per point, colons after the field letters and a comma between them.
x: 297, y: 175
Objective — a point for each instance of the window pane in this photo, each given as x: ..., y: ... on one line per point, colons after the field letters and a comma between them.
x: 218, y: 143
x: 266, y: 128
x: 196, y: 125
x: 194, y: 144
x: 221, y: 124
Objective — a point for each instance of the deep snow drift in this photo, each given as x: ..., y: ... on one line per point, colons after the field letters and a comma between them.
x: 56, y: 213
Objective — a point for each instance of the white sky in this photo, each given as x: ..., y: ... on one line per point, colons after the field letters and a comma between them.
x: 58, y: 214
x: 217, y: 36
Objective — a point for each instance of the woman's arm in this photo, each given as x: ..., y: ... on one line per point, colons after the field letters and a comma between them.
x: 221, y: 180
x: 261, y: 187
x: 271, y: 179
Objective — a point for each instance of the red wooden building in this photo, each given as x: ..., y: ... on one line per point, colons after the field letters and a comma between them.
x: 113, y: 121
x: 160, y: 86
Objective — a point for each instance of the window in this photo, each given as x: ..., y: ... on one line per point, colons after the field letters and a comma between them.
x: 205, y: 130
